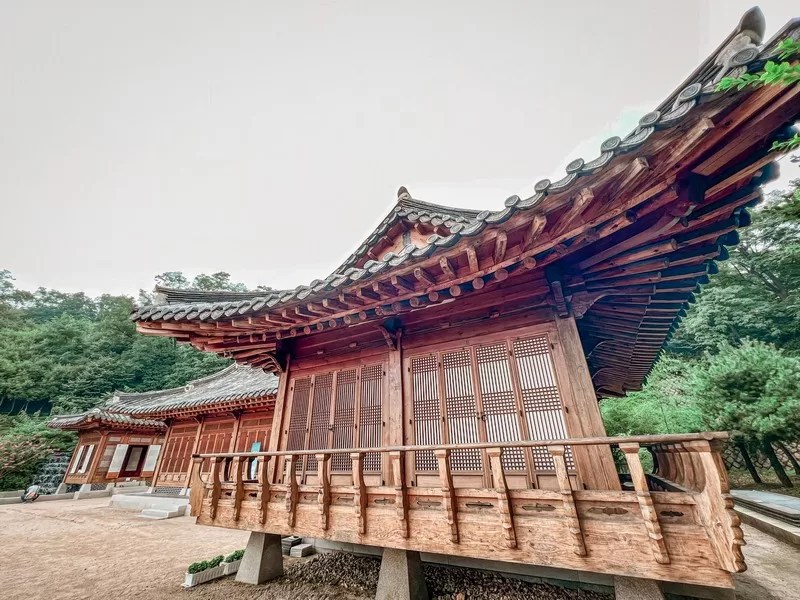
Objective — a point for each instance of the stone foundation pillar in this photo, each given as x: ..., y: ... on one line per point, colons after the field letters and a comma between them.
x: 632, y: 588
x: 61, y: 489
x: 262, y: 560
x: 401, y: 576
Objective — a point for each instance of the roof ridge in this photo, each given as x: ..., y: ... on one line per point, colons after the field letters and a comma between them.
x: 165, y: 392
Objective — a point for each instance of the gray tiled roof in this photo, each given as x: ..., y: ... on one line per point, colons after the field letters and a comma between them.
x: 698, y: 89
x: 237, y: 382
x: 100, y: 415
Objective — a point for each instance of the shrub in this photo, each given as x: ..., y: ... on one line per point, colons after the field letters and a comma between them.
x: 216, y: 561
x: 196, y: 567
x: 234, y: 556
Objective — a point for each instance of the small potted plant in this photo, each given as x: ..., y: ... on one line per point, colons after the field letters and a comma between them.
x: 232, y: 562
x: 205, y: 570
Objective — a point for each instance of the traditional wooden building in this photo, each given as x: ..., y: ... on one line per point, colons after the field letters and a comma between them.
x: 150, y: 437
x: 439, y: 390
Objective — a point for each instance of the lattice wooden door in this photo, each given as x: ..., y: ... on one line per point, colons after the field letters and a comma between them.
x: 337, y: 409
x: 495, y: 392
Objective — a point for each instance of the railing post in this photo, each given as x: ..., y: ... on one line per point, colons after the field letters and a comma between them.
x: 649, y: 514
x: 360, y: 492
x: 323, y: 475
x: 570, y: 509
x: 198, y: 490
x: 238, y: 486
x: 503, y: 502
x: 400, y: 493
x: 448, y: 494
x: 291, y: 491
x: 216, y: 485
x: 264, y: 477
x: 714, y: 507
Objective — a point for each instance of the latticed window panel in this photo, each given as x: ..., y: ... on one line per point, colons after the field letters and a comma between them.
x: 461, y: 409
x: 320, y: 417
x: 344, y: 418
x: 544, y: 411
x: 298, y: 421
x: 371, y: 416
x: 427, y: 409
x: 499, y: 403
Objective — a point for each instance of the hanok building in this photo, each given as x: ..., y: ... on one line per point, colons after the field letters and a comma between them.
x: 150, y: 437
x: 439, y: 391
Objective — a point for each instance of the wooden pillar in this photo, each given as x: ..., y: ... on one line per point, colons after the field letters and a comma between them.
x: 237, y: 421
x: 161, y: 454
x: 278, y: 417
x: 73, y: 461
x: 394, y: 417
x: 98, y: 455
x: 595, y: 464
x: 195, y: 448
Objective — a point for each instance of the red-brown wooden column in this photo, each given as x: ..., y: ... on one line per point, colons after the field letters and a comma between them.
x: 98, y: 455
x: 162, y: 454
x: 394, y: 416
x: 582, y: 415
x: 278, y: 417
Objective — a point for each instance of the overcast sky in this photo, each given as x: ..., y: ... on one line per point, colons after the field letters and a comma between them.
x: 267, y: 139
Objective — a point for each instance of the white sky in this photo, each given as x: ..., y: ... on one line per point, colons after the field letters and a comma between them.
x: 267, y: 139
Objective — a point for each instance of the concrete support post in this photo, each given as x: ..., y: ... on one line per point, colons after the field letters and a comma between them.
x: 632, y: 588
x: 401, y: 576
x: 262, y: 560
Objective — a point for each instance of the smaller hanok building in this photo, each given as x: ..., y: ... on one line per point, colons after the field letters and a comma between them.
x: 148, y: 438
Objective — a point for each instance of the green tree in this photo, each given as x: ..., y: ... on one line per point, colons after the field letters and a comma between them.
x: 665, y: 405
x: 753, y: 391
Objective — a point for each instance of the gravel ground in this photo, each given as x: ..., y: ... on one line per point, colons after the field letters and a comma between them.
x: 84, y: 550
x: 341, y: 575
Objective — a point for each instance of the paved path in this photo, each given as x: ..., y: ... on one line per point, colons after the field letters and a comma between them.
x: 82, y: 549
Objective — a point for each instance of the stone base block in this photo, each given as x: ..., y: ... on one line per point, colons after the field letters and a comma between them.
x: 401, y: 576
x: 632, y: 588
x: 262, y: 560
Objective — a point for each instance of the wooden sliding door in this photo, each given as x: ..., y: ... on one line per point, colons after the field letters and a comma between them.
x: 342, y: 408
x: 495, y: 389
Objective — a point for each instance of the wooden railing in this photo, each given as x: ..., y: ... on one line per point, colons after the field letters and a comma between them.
x: 684, y: 502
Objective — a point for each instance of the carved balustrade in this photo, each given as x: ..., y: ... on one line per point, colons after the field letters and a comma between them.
x: 675, y: 524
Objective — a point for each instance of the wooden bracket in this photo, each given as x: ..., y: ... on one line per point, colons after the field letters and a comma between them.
x: 390, y: 337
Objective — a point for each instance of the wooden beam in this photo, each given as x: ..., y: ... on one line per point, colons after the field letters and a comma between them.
x: 500, y: 244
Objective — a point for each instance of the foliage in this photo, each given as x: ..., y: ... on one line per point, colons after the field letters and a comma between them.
x: 756, y: 294
x: 220, y: 281
x: 752, y: 390
x: 24, y: 443
x: 66, y: 352
x: 773, y: 73
x: 216, y: 561
x: 234, y: 556
x: 196, y: 567
x: 665, y: 405
x: 781, y: 73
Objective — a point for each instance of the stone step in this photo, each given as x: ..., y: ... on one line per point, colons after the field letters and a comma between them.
x: 167, y: 513
x: 301, y: 550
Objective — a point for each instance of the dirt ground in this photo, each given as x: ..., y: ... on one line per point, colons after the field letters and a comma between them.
x: 85, y: 550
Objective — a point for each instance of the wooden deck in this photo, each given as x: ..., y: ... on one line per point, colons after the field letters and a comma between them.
x: 674, y: 525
